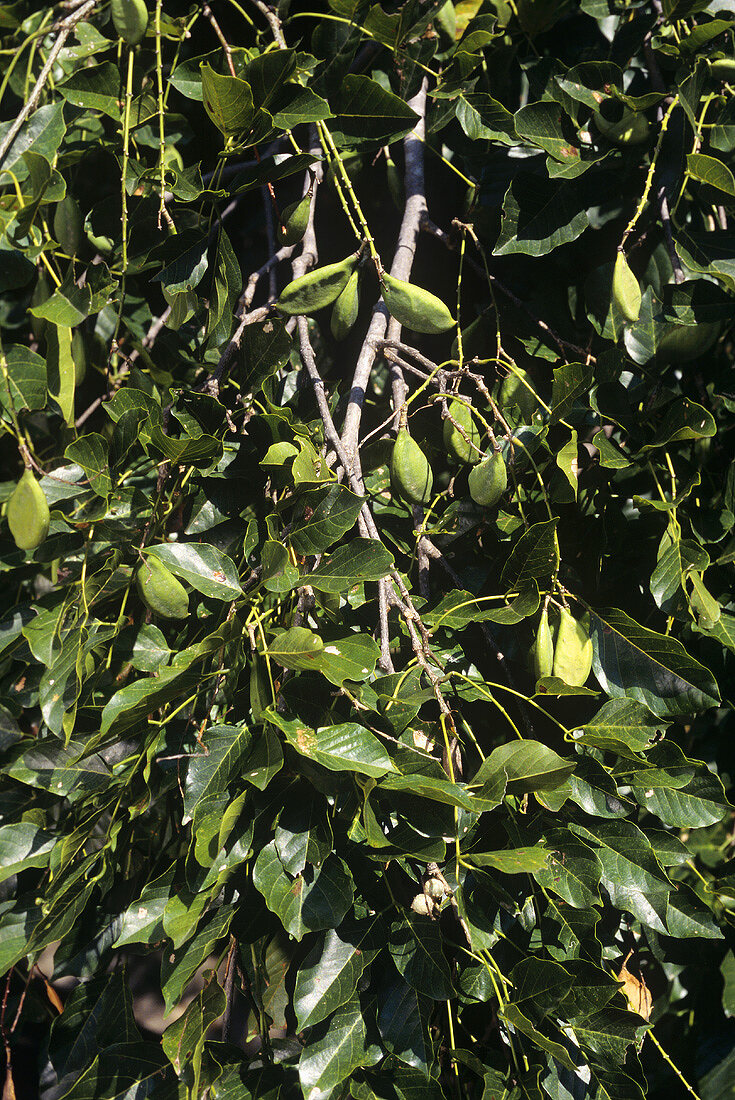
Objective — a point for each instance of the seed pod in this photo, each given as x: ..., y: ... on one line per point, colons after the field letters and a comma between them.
x: 318, y: 288
x: 79, y: 355
x: 723, y: 68
x: 28, y: 513
x: 488, y: 481
x: 346, y: 308
x: 422, y: 905
x: 515, y: 391
x: 130, y: 20
x: 410, y: 470
x: 172, y: 158
x: 626, y: 292
x: 160, y: 591
x: 543, y: 648
x: 621, y: 125
x: 573, y: 650
x: 454, y: 441
x: 68, y: 225
x: 294, y: 220
x: 415, y: 307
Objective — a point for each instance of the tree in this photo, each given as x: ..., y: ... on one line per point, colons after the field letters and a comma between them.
x: 372, y: 668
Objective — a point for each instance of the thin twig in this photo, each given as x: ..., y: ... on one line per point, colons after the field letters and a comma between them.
x: 65, y: 27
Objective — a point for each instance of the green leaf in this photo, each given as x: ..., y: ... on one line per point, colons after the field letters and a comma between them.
x: 209, y: 772
x: 23, y: 845
x: 179, y: 966
x: 535, y: 557
x: 228, y: 101
x: 204, y: 567
x: 332, y: 1052
x: 511, y: 861
x: 622, y: 726
x: 124, y: 1068
x: 651, y: 668
x: 711, y: 171
x: 680, y: 792
x: 324, y: 516
x: 528, y: 766
x: 354, y: 563
x: 368, y: 115
x: 538, y: 216
x: 329, y: 974
x: 415, y: 946
x: 346, y: 747
x: 304, y: 904
x: 24, y: 386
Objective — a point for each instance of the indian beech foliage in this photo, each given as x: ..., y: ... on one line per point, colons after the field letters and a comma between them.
x: 367, y: 626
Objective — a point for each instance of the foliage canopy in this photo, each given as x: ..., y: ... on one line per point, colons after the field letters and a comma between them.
x: 418, y: 759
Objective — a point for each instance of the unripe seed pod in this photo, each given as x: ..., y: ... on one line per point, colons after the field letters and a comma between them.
x: 130, y: 20
x: 395, y: 183
x: 172, y: 158
x: 410, y: 471
x: 573, y: 650
x: 160, y: 591
x: 346, y: 308
x: 435, y: 889
x: 79, y: 355
x: 454, y: 441
x: 488, y: 481
x: 68, y: 225
x: 515, y: 391
x: 414, y: 307
x: 626, y: 292
x: 543, y: 648
x: 318, y: 288
x: 621, y: 125
x: 294, y: 220
x: 28, y: 513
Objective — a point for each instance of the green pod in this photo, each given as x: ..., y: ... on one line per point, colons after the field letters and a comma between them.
x: 454, y: 442
x: 130, y: 20
x: 414, y: 307
x: 28, y: 513
x: 410, y: 470
x: 294, y: 220
x: 626, y: 292
x: 68, y: 225
x: 318, y: 288
x: 573, y: 650
x: 489, y: 480
x: 514, y: 391
x: 723, y: 68
x: 160, y: 591
x: 346, y: 308
x: 79, y: 355
x: 172, y: 158
x: 620, y: 125
x: 543, y: 648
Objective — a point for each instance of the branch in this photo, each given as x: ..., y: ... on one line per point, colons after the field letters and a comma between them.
x: 413, y: 213
x: 66, y: 26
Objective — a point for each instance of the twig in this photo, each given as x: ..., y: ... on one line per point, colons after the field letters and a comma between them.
x: 273, y: 22
x: 209, y: 14
x: 657, y: 83
x: 65, y: 26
